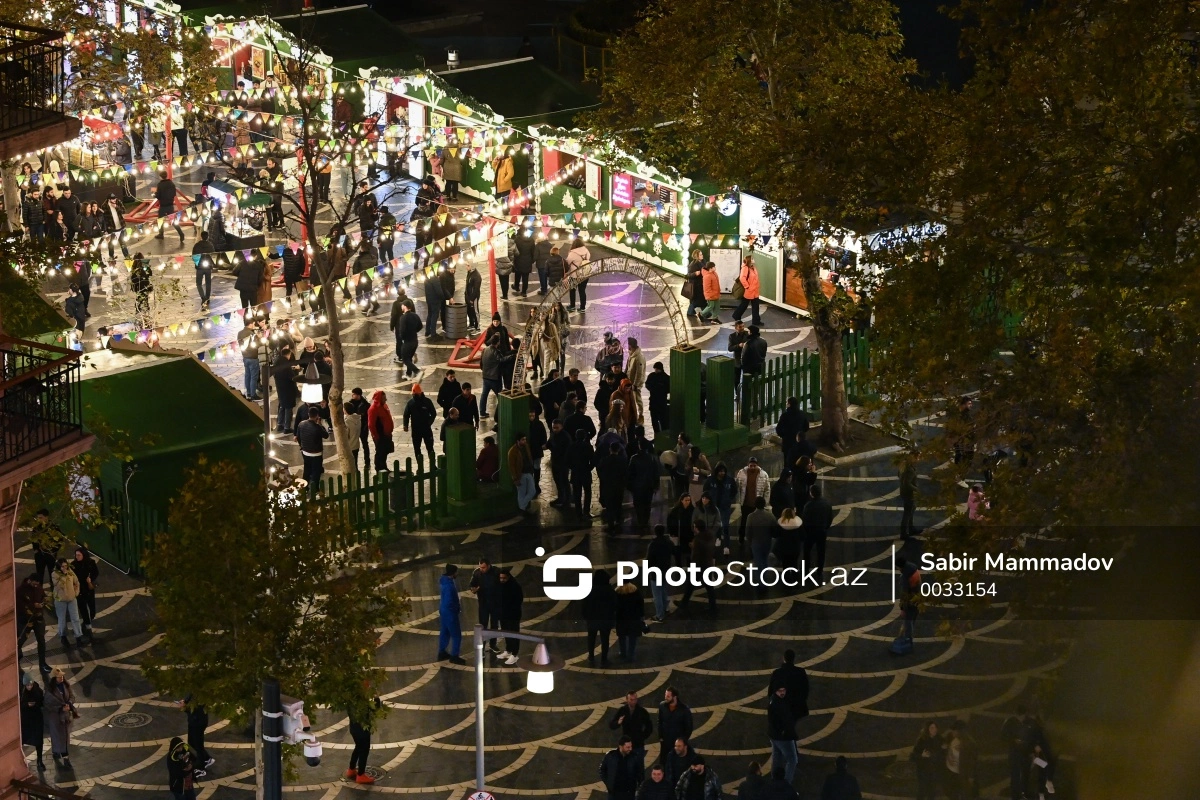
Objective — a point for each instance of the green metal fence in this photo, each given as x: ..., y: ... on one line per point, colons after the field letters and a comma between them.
x: 764, y: 396
x: 133, y: 526
x: 796, y: 375
x: 399, y: 500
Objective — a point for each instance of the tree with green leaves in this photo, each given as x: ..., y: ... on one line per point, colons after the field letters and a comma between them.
x: 790, y: 99
x: 1061, y: 292
x: 299, y: 600
x: 136, y: 64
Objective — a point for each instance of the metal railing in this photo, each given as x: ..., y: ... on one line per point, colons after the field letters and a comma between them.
x: 40, y: 398
x: 31, y: 76
x: 28, y: 790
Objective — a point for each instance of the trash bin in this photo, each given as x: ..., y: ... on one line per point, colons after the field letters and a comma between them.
x: 456, y: 321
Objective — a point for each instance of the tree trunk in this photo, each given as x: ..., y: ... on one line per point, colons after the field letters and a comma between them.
x: 826, y: 325
x: 337, y: 413
x: 834, y: 417
x: 259, y: 789
x: 12, y: 195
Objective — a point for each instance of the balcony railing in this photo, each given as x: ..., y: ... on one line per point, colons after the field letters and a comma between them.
x: 31, y: 76
x: 28, y: 790
x: 40, y: 400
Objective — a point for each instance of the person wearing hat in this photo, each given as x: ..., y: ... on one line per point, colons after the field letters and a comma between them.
x: 419, y: 412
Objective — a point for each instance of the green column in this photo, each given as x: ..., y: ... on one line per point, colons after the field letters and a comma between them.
x: 685, y: 390
x: 461, y: 486
x: 719, y: 393
x: 512, y: 416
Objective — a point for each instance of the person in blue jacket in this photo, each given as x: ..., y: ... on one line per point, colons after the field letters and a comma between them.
x: 451, y: 627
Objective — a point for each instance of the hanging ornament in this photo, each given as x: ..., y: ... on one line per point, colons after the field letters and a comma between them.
x: 568, y: 200
x: 489, y: 174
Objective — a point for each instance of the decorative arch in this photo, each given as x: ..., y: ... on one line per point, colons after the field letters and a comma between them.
x: 629, y: 266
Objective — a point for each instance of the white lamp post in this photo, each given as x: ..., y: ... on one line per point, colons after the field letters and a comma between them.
x: 540, y: 665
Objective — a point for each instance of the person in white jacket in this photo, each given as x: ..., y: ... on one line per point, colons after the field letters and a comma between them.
x: 577, y: 256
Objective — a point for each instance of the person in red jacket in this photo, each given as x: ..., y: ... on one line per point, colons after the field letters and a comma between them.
x: 380, y: 424
x: 712, y: 294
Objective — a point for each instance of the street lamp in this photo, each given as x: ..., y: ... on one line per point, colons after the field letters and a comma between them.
x: 541, y: 666
x: 311, y: 384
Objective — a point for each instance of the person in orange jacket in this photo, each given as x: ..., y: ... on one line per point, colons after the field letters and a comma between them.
x: 712, y: 294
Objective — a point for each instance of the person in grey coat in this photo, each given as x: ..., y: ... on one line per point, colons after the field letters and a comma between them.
x: 759, y: 527
x: 60, y: 713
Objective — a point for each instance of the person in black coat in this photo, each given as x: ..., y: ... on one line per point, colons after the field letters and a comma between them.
x: 631, y: 613
x: 551, y: 394
x: 644, y: 474
x: 656, y: 787
x: 249, y: 276
x: 559, y: 444
x: 580, y: 459
x: 293, y: 268
x: 448, y: 392
x: 795, y: 680
x: 792, y: 423
x: 538, y: 438
x: 674, y: 722
x: 33, y: 726
x: 284, y: 371
x: 578, y: 421
x: 754, y: 785
x: 818, y: 519
x: 658, y: 384
x: 75, y: 308
x: 621, y: 771
x: 633, y: 720
x: 783, y: 495
x: 841, y: 785
x: 522, y: 264
x: 435, y: 299
x: 511, y: 604
x: 600, y: 613
x: 471, y: 296
x: 420, y: 414
x: 613, y: 472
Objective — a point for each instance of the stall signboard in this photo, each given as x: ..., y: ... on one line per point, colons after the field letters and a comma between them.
x: 591, y: 185
x: 754, y: 219
x: 622, y: 190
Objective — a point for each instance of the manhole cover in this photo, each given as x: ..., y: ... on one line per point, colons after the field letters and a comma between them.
x: 133, y: 719
x: 375, y: 772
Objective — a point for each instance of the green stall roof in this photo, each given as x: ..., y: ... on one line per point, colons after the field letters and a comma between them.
x: 173, y: 411
x: 354, y: 37
x: 523, y: 91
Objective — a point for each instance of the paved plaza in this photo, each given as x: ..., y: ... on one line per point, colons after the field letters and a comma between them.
x: 866, y: 704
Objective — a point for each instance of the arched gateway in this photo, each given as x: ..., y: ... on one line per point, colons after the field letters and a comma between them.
x: 628, y: 266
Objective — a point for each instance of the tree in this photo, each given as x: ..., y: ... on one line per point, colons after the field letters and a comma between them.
x: 794, y: 100
x: 299, y: 601
x: 303, y: 130
x: 136, y: 64
x: 1063, y: 293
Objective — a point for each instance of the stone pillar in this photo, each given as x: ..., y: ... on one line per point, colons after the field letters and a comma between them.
x: 720, y: 393
x: 461, y: 485
x: 685, y: 390
x: 512, y: 416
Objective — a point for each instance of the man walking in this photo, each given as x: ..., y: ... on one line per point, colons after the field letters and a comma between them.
x: 510, y: 607
x: 633, y: 720
x: 311, y: 435
x: 485, y: 585
x: 202, y: 257
x: 736, y: 346
x: 613, y: 472
x: 407, y: 325
x: 658, y: 384
x: 580, y: 457
x: 908, y: 497
x: 795, y: 680
x: 165, y: 194
x: 781, y: 729
x: 31, y: 617
x: 699, y: 783
x: 448, y: 392
x: 450, y: 633
x: 818, y: 519
x: 645, y: 470
x: 560, y: 446
x: 754, y: 353
x: 622, y: 771
x: 674, y: 722
x: 753, y: 482
x: 420, y: 414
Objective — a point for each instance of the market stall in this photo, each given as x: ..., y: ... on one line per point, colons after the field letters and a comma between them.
x: 621, y: 201
x: 243, y: 214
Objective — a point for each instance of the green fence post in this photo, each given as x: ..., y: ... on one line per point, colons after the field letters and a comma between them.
x: 512, y: 417
x: 685, y: 391
x: 814, y: 381
x: 461, y: 486
x: 720, y: 392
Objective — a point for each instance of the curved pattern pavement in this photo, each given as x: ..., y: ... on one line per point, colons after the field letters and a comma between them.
x: 865, y: 703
